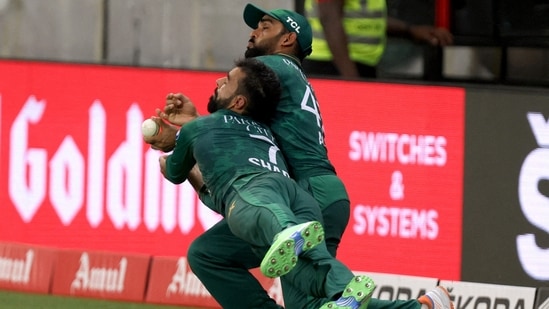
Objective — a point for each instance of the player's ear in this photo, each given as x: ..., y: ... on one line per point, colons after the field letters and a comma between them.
x: 240, y: 102
x: 290, y: 39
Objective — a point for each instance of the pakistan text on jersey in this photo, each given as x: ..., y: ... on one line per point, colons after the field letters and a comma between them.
x: 251, y: 126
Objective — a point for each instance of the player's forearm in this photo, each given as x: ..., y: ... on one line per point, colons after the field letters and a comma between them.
x: 173, y: 172
x: 195, y: 178
x: 178, y: 165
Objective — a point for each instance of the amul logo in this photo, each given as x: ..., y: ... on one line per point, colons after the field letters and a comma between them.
x: 103, y: 279
x: 16, y: 270
x: 185, y: 282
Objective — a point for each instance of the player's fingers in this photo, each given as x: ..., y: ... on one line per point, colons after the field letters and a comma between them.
x: 156, y: 119
x: 171, y: 101
x: 179, y: 102
x: 158, y: 112
x: 183, y: 98
x: 169, y: 108
x: 179, y: 96
x: 149, y: 140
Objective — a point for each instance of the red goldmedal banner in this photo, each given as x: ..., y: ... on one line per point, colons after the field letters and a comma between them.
x: 75, y: 173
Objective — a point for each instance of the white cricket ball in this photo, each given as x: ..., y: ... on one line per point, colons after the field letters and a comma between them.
x: 149, y: 128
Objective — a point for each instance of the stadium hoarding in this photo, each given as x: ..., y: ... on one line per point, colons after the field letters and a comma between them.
x: 171, y: 281
x: 75, y: 171
x: 399, y: 150
x: 506, y: 187
x: 76, y: 174
x: 26, y: 268
x: 400, y: 287
x: 542, y: 298
x: 97, y: 274
x: 474, y: 295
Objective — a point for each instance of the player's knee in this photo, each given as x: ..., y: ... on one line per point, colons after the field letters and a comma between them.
x: 197, y: 253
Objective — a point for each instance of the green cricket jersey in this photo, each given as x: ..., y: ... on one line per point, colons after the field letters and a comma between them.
x: 297, y: 125
x: 230, y: 149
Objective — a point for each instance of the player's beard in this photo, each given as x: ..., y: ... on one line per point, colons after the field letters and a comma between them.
x: 215, y: 103
x: 266, y: 47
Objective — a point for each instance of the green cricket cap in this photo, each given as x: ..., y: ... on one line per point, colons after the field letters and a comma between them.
x: 291, y: 20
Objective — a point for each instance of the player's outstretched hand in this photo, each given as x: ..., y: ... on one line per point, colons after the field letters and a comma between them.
x: 164, y: 140
x: 179, y: 109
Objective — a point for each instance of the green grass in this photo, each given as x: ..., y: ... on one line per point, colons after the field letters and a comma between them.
x: 16, y: 300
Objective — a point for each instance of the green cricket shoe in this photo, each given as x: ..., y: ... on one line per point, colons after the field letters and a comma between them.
x: 357, y: 294
x: 288, y: 245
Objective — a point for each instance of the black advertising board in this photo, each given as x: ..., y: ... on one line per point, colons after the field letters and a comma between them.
x: 506, y: 187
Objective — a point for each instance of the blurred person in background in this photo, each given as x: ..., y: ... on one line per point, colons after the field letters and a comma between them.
x: 350, y: 36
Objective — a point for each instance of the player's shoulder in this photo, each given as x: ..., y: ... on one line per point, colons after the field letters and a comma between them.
x: 282, y: 65
x: 277, y: 61
x: 208, y: 120
x: 269, y: 58
x: 193, y: 124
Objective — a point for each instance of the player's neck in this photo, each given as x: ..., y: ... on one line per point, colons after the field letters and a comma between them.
x: 296, y: 60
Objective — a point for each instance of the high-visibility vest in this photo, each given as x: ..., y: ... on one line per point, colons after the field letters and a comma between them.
x: 365, y: 23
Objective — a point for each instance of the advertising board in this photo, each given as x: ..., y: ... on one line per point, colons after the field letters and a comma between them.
x: 75, y: 172
x: 506, y: 200
x: 399, y: 150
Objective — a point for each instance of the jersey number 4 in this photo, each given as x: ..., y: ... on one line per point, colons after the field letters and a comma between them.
x: 310, y: 104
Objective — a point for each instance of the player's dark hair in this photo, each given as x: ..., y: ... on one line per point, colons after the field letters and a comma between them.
x: 262, y: 88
